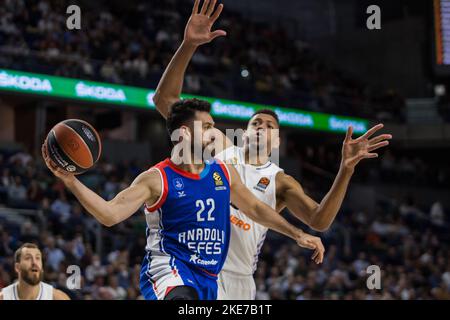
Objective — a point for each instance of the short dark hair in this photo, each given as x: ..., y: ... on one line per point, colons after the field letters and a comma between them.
x: 18, y: 253
x: 183, y: 111
x: 270, y: 112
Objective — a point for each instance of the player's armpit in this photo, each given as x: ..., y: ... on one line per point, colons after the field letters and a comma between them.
x: 60, y: 295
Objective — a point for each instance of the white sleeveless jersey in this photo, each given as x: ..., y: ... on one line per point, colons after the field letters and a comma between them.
x: 45, y: 292
x: 247, y: 236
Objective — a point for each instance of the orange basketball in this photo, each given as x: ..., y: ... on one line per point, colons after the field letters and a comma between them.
x: 74, y: 145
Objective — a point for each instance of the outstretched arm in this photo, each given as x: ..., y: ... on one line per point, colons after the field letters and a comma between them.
x: 145, y: 188
x: 263, y: 214
x: 197, y: 32
x: 320, y: 216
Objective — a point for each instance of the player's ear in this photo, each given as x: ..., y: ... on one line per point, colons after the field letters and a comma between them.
x: 185, y: 132
x: 16, y: 267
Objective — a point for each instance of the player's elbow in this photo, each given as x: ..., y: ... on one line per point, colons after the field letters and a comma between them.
x: 156, y: 99
x: 319, y: 226
x: 109, y: 220
x: 108, y: 223
x: 162, y: 103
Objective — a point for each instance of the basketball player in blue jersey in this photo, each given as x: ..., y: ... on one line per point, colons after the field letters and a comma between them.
x: 187, y: 210
x: 268, y: 182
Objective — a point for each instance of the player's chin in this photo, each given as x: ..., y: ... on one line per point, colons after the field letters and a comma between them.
x: 208, y: 151
x: 33, y: 278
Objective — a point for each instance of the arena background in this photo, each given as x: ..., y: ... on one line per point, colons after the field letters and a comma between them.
x: 315, y: 61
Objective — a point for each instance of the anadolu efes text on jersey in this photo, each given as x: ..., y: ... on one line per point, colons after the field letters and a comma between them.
x: 190, y: 222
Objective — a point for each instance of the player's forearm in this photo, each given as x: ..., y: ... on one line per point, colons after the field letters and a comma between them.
x: 330, y: 205
x: 93, y: 203
x: 171, y: 83
x: 266, y: 216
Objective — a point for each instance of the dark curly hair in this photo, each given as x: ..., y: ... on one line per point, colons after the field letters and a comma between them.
x: 182, y: 112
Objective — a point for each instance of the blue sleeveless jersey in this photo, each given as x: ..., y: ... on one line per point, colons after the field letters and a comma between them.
x: 190, y: 222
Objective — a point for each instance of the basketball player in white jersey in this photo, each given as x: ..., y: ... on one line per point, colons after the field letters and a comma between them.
x: 29, y: 286
x: 265, y: 179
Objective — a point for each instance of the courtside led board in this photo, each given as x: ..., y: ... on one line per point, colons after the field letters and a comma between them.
x: 89, y: 91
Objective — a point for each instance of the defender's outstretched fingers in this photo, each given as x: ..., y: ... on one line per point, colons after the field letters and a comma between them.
x: 195, y: 7
x: 380, y: 138
x: 348, y: 135
x: 371, y: 131
x: 370, y: 155
x: 378, y: 145
x: 204, y: 7
x: 211, y: 8
x: 218, y: 33
x: 217, y: 13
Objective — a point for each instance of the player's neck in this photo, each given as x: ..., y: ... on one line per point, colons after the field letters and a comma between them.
x: 195, y: 168
x: 255, y: 158
x: 26, y: 291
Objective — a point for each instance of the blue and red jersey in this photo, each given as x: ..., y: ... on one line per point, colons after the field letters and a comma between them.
x: 190, y: 222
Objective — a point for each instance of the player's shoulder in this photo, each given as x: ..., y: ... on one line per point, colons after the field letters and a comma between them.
x: 60, y: 295
x: 283, y: 179
x: 230, y: 155
x: 1, y: 295
x: 147, y: 178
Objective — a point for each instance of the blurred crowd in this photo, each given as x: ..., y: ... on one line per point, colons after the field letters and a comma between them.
x: 410, y: 243
x: 415, y: 167
x: 133, y: 42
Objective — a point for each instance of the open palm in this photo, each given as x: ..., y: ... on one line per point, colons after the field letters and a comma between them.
x: 354, y: 150
x: 198, y: 29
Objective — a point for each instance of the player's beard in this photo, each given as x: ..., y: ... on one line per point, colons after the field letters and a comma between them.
x: 30, y: 277
x: 204, y: 151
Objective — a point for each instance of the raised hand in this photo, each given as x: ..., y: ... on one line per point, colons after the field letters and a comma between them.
x: 354, y: 150
x: 198, y: 28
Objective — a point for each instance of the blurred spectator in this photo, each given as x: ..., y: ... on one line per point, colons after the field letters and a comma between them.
x: 133, y: 44
x: 411, y: 247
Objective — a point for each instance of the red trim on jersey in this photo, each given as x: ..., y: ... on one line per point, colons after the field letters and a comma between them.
x: 168, y: 289
x: 208, y: 273
x: 158, y: 204
x: 182, y: 172
x: 224, y: 169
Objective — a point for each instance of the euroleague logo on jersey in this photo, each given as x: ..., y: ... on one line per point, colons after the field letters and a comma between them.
x: 262, y: 185
x: 218, y: 181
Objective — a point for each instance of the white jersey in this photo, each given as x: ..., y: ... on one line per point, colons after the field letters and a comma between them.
x: 45, y: 292
x: 247, y: 236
